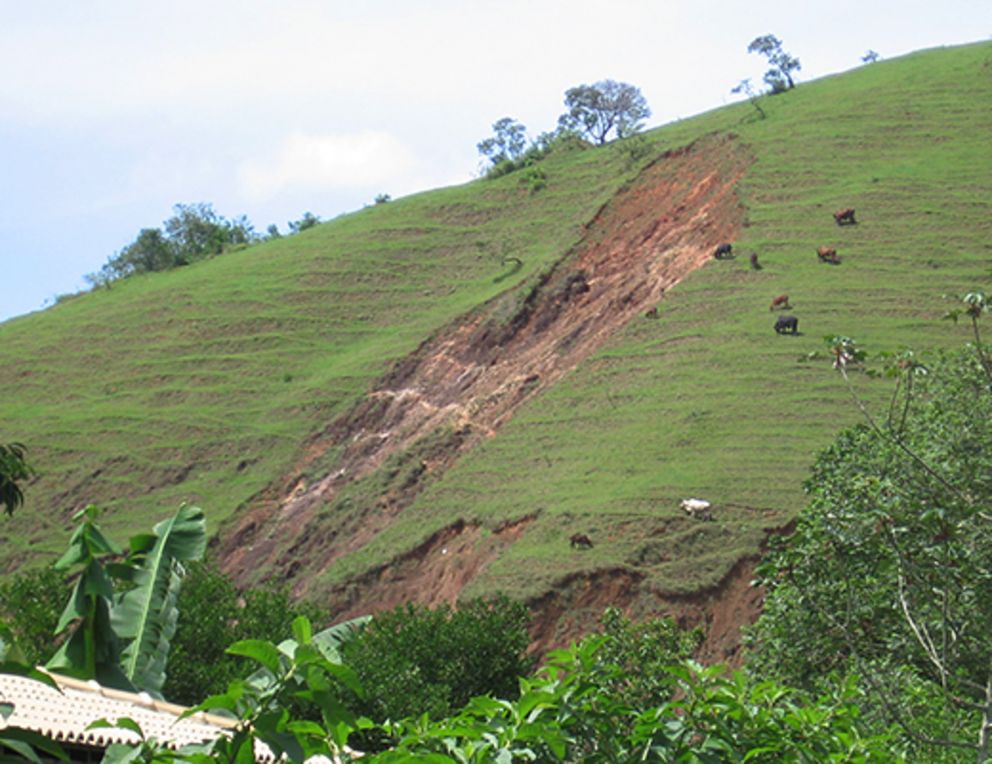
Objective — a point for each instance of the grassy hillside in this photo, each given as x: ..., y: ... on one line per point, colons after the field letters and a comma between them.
x: 201, y: 384
x: 210, y: 383
x: 708, y: 401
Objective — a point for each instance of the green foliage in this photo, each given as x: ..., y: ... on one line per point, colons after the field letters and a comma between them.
x: 637, y: 654
x: 604, y: 107
x: 779, y: 77
x: 559, y: 140
x: 194, y: 232
x: 121, y: 637
x: 92, y: 649
x: 309, y: 220
x: 564, y: 713
x: 535, y: 179
x: 214, y: 614
x: 708, y: 717
x: 14, y: 468
x: 889, y: 571
x: 414, y: 660
x: 31, y: 601
x: 145, y: 614
x: 507, y: 143
x: 299, y: 673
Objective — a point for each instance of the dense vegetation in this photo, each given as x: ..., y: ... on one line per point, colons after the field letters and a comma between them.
x: 889, y: 572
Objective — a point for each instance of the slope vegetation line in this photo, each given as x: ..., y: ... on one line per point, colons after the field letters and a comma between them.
x: 464, y: 383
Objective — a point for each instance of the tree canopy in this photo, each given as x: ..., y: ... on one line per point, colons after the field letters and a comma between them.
x: 889, y: 571
x: 779, y: 77
x: 601, y: 108
x: 508, y: 142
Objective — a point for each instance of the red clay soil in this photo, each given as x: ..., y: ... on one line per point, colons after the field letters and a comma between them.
x: 471, y: 377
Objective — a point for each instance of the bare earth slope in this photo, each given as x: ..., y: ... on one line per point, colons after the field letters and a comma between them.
x: 463, y: 384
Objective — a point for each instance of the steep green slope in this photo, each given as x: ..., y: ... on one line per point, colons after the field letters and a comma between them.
x: 708, y: 401
x: 201, y: 384
x: 227, y: 382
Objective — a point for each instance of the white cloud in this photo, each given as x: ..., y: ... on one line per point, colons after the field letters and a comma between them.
x: 363, y: 160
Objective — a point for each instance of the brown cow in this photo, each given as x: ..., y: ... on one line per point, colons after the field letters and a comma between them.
x: 651, y: 312
x: 782, y: 301
x: 845, y: 216
x: 580, y: 540
x: 827, y: 255
x: 754, y: 261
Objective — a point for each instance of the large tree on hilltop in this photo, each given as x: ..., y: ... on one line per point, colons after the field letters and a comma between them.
x: 604, y: 107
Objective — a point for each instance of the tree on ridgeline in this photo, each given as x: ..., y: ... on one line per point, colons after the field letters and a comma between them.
x: 309, y: 220
x: 194, y: 232
x: 779, y: 77
x: 507, y: 143
x: 604, y: 107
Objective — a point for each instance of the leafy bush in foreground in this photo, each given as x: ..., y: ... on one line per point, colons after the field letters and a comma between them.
x: 414, y: 660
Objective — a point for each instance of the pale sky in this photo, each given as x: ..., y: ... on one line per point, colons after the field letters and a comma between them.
x: 112, y: 111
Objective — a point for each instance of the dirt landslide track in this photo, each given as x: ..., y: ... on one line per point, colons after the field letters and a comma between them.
x: 471, y: 377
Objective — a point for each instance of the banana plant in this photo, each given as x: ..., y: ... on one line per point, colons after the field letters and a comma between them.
x: 121, y: 637
x: 92, y: 649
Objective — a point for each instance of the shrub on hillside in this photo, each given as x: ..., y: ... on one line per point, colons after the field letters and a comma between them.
x: 546, y: 143
x: 414, y: 660
x: 213, y: 614
x: 30, y: 604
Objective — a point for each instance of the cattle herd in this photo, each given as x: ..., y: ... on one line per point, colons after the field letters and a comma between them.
x: 790, y: 324
x: 701, y: 509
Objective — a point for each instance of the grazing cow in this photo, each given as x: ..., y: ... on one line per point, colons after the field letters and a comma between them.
x: 700, y: 509
x: 782, y: 301
x: 845, y: 216
x: 827, y: 255
x: 754, y: 261
x: 580, y: 541
x: 651, y: 312
x: 724, y: 250
x: 787, y: 324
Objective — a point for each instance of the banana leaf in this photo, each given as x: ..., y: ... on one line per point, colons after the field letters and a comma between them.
x: 145, y: 616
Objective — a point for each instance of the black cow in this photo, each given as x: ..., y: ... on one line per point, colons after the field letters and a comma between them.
x: 580, y: 541
x: 724, y: 250
x: 787, y: 324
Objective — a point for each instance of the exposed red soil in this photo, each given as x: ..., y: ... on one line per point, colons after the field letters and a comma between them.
x: 567, y: 613
x: 470, y: 378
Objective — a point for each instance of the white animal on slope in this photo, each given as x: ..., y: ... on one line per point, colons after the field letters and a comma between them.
x: 697, y: 508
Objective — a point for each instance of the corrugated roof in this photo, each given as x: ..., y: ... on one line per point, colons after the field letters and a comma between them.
x: 65, y: 716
